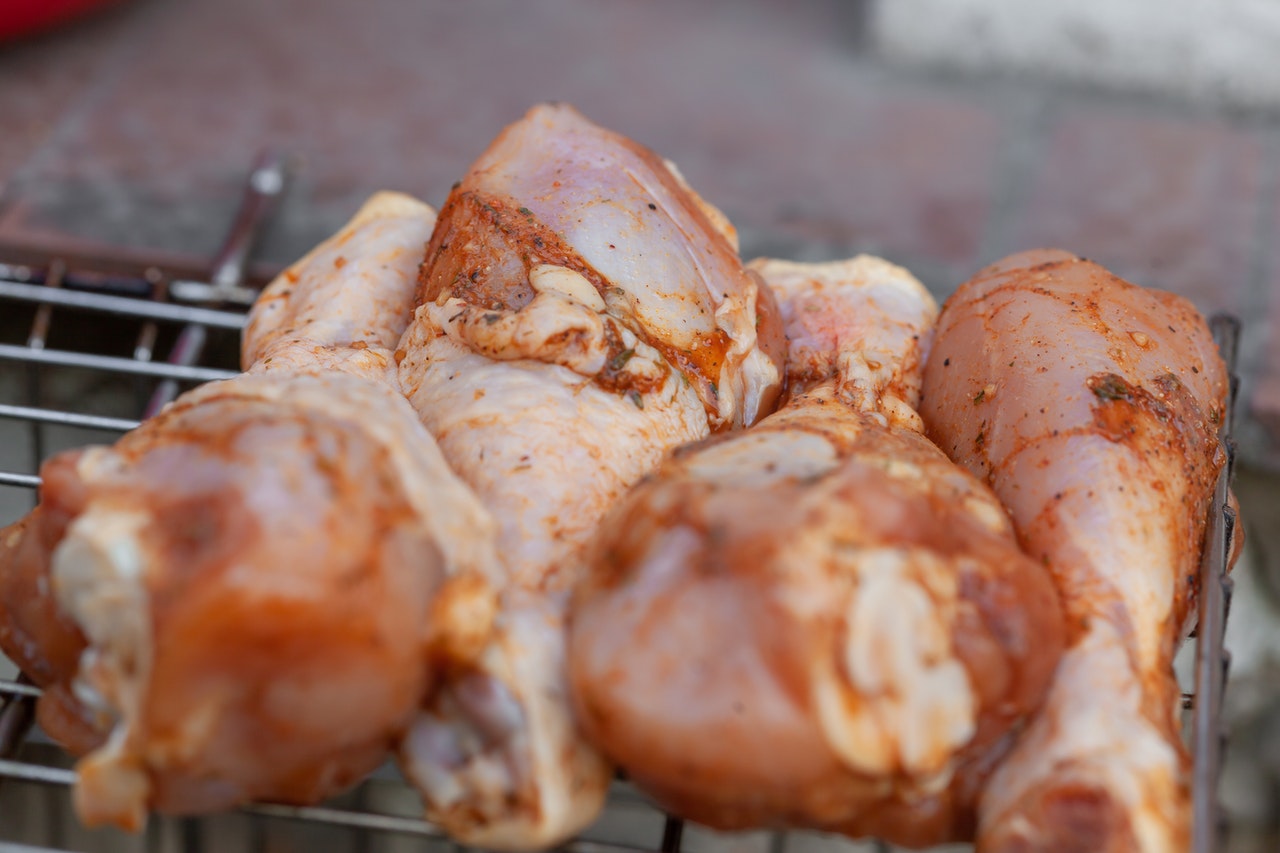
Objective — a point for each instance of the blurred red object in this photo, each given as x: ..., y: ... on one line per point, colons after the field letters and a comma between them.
x: 24, y: 17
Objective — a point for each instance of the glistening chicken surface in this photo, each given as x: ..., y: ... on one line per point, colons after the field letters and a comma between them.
x: 1092, y: 407
x: 820, y: 621
x: 232, y: 602
x: 814, y: 620
x: 581, y: 312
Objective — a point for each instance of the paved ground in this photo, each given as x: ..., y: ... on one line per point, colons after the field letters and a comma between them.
x: 136, y: 128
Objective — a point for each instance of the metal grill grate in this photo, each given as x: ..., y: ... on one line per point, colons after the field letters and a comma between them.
x: 52, y: 372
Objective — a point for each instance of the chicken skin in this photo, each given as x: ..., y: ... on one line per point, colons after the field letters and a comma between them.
x: 233, y: 602
x: 1092, y: 408
x: 581, y: 311
x: 821, y: 621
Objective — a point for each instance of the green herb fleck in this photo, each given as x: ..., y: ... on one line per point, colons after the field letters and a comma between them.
x: 634, y: 396
x: 980, y: 396
x: 1109, y: 387
x: 492, y: 318
x: 525, y: 211
x: 620, y: 360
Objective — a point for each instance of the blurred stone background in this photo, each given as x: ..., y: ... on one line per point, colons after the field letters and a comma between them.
x: 821, y: 127
x: 941, y: 134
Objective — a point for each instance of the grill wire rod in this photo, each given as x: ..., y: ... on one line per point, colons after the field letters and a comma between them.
x: 220, y: 307
x: 63, y: 288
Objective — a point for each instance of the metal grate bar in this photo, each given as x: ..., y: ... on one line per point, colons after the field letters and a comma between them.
x: 26, y: 481
x: 370, y: 821
x: 27, y: 772
x: 672, y: 833
x: 18, y: 715
x: 63, y: 358
x: 1208, y: 734
x: 350, y: 820
x: 266, y: 182
x: 40, y: 327
x: 121, y: 305
x: 52, y: 416
x: 8, y: 847
x: 58, y: 292
x: 144, y: 345
x: 107, y: 268
x: 19, y: 688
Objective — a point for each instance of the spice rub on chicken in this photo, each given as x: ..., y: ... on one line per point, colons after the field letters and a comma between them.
x: 234, y: 602
x: 1092, y: 407
x: 580, y: 313
x: 820, y: 621
x: 574, y: 245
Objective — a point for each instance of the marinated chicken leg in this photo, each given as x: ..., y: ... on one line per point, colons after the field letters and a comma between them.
x: 232, y: 602
x: 1091, y: 406
x: 581, y: 311
x: 820, y: 621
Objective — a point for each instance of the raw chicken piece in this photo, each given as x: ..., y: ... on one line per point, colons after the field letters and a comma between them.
x: 820, y: 621
x: 1092, y: 408
x: 581, y: 312
x: 232, y: 602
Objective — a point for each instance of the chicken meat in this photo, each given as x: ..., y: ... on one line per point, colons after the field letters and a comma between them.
x: 235, y: 601
x: 820, y: 621
x: 581, y: 311
x: 1092, y: 408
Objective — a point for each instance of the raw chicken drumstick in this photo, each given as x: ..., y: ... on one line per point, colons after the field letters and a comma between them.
x: 581, y: 311
x: 1092, y: 407
x: 232, y: 602
x: 820, y: 621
